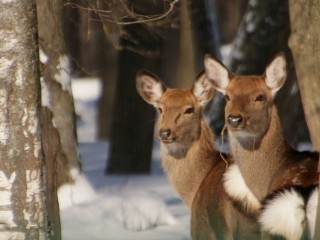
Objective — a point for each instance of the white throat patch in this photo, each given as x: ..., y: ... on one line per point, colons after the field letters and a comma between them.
x: 238, y: 190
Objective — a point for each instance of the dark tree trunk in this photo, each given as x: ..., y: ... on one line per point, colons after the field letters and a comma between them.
x: 22, y: 177
x: 132, y: 125
x: 229, y: 15
x: 51, y: 148
x: 207, y: 40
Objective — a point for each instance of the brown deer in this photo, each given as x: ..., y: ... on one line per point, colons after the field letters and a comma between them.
x: 277, y: 175
x: 193, y: 166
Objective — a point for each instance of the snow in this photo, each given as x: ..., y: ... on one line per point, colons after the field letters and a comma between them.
x: 100, y: 206
x: 63, y: 76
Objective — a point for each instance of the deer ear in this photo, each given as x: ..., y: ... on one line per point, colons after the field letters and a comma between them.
x: 276, y: 73
x: 150, y: 87
x: 203, y: 89
x: 217, y: 73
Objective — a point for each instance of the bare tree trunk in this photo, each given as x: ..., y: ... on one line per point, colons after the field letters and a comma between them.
x: 229, y: 15
x: 57, y: 79
x: 186, y: 71
x: 51, y: 148
x: 22, y: 179
x: 305, y: 45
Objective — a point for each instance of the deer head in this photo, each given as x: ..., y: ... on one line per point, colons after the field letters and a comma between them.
x: 179, y: 110
x: 249, y: 99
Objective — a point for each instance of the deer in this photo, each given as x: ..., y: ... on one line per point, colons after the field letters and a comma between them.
x: 194, y: 167
x: 283, y: 180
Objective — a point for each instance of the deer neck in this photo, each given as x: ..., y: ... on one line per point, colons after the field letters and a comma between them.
x: 258, y: 165
x: 186, y: 173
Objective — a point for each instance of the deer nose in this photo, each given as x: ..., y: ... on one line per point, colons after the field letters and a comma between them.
x: 235, y: 120
x: 165, y: 133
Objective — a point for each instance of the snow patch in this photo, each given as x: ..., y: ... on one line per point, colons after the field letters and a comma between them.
x: 43, y: 57
x: 45, y: 94
x: 63, y: 76
x: 140, y: 211
x: 78, y: 192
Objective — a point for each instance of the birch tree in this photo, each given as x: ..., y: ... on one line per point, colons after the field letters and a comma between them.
x: 22, y: 194
x: 305, y: 45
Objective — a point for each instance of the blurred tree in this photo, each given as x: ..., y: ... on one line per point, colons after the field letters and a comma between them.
x: 229, y: 15
x: 22, y: 176
x: 264, y: 32
x: 132, y: 126
x: 305, y: 45
x: 57, y: 80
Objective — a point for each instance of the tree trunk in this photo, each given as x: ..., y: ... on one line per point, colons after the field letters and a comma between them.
x: 22, y: 180
x: 51, y: 148
x: 186, y: 71
x: 207, y: 40
x: 229, y: 16
x: 132, y: 125
x: 305, y: 45
x: 57, y: 79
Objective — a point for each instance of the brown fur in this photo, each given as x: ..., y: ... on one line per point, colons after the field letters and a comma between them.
x: 193, y: 166
x: 266, y: 162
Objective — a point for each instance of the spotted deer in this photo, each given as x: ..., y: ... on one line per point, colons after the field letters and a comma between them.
x: 193, y: 166
x: 283, y: 180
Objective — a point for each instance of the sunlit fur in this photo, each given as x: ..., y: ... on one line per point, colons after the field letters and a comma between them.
x: 190, y: 161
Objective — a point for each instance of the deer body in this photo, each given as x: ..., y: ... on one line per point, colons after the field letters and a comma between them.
x: 267, y: 164
x: 193, y: 166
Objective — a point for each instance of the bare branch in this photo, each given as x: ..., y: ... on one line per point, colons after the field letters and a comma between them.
x: 107, y: 14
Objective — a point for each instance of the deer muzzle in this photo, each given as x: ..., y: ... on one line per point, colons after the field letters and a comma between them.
x: 235, y: 121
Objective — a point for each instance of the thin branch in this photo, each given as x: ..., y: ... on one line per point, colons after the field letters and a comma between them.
x: 146, y: 19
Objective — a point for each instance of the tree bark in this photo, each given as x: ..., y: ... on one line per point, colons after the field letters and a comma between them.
x: 57, y: 79
x: 305, y: 45
x: 22, y: 179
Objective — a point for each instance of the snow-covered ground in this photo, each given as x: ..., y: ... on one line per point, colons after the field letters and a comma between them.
x: 116, y: 207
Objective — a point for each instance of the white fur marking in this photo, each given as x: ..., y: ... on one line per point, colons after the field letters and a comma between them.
x: 284, y: 215
x: 153, y: 88
x: 201, y: 90
x: 217, y: 73
x: 312, y: 211
x: 236, y: 187
x: 276, y: 74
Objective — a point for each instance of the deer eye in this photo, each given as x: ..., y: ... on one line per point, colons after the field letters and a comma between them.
x: 227, y: 98
x: 260, y: 98
x: 189, y: 110
x: 159, y: 109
